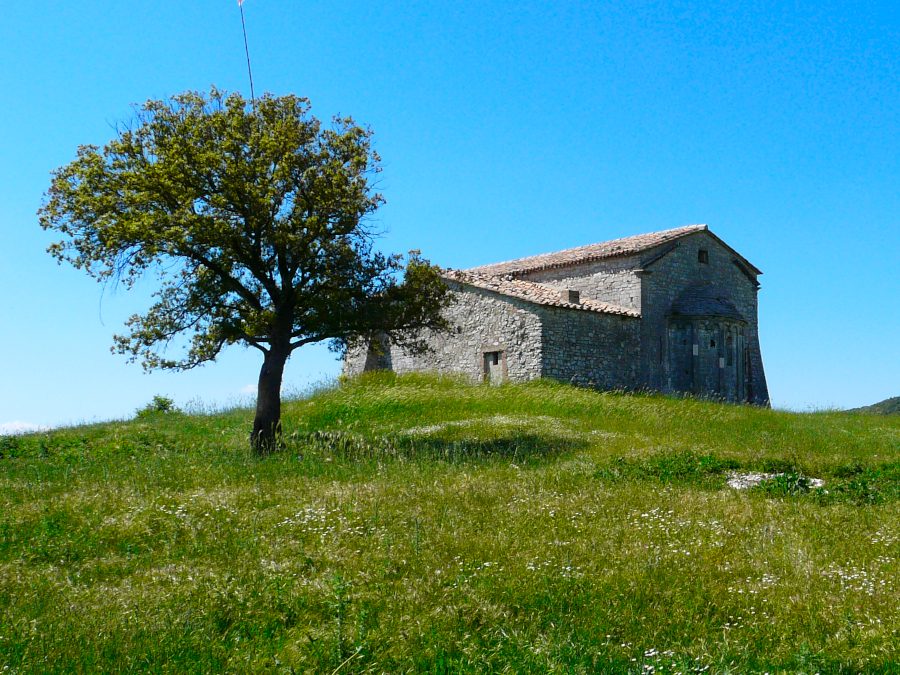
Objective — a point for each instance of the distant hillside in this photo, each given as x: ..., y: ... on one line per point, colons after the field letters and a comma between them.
x: 889, y: 406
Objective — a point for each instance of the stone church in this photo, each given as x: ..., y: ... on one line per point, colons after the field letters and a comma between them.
x: 672, y: 311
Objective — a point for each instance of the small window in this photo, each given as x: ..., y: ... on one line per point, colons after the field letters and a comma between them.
x: 712, y: 343
x: 703, y: 256
x: 495, y: 358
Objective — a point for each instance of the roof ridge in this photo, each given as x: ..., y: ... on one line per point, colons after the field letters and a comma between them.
x: 589, y: 252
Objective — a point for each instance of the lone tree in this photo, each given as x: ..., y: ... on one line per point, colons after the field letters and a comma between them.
x: 254, y: 220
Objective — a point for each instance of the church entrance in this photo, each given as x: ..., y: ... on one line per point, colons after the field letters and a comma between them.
x: 707, y: 358
x: 705, y: 344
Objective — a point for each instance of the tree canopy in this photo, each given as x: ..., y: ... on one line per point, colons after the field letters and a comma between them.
x: 254, y: 219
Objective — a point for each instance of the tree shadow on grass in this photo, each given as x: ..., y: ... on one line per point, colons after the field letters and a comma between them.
x: 515, y: 447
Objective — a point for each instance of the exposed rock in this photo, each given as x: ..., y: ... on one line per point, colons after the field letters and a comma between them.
x: 743, y: 481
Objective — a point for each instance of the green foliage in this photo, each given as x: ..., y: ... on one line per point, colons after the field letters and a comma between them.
x: 254, y: 218
x: 680, y: 466
x: 874, y: 484
x: 790, y: 484
x: 9, y: 446
x: 889, y: 406
x: 160, y: 405
x: 418, y: 524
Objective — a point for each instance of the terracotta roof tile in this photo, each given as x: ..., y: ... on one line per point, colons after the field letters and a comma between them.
x: 583, y: 254
x: 540, y: 294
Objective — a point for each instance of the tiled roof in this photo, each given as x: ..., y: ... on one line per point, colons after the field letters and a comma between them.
x: 583, y: 254
x: 540, y: 294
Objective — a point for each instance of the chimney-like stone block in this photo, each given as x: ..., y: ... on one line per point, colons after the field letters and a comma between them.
x: 568, y: 295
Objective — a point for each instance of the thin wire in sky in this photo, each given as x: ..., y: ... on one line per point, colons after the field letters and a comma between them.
x: 247, y: 52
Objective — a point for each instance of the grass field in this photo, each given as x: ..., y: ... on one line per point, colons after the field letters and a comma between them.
x: 422, y: 525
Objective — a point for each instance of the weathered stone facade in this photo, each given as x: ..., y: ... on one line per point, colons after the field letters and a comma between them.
x: 673, y: 311
x: 592, y: 349
x: 482, y: 323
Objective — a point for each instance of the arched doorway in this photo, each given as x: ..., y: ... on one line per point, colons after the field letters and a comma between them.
x: 706, y: 345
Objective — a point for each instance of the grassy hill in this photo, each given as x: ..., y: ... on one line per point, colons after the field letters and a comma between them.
x: 889, y: 406
x: 422, y: 525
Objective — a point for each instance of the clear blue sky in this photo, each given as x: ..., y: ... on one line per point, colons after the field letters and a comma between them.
x: 506, y: 129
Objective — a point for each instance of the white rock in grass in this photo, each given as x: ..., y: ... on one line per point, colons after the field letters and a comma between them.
x: 742, y: 481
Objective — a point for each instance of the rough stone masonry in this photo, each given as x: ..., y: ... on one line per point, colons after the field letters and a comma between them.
x: 672, y: 311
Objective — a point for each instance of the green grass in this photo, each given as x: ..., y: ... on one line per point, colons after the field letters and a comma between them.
x: 422, y: 525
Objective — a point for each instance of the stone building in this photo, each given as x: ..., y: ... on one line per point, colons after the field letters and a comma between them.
x: 672, y: 311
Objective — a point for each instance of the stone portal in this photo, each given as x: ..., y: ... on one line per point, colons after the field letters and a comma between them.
x: 707, y: 353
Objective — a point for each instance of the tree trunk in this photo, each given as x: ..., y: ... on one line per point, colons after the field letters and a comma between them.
x: 267, y: 424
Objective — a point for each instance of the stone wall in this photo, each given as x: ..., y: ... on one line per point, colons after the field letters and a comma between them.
x: 666, y: 278
x: 587, y: 348
x: 481, y: 322
x: 601, y: 350
x: 365, y: 357
x: 612, y: 280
